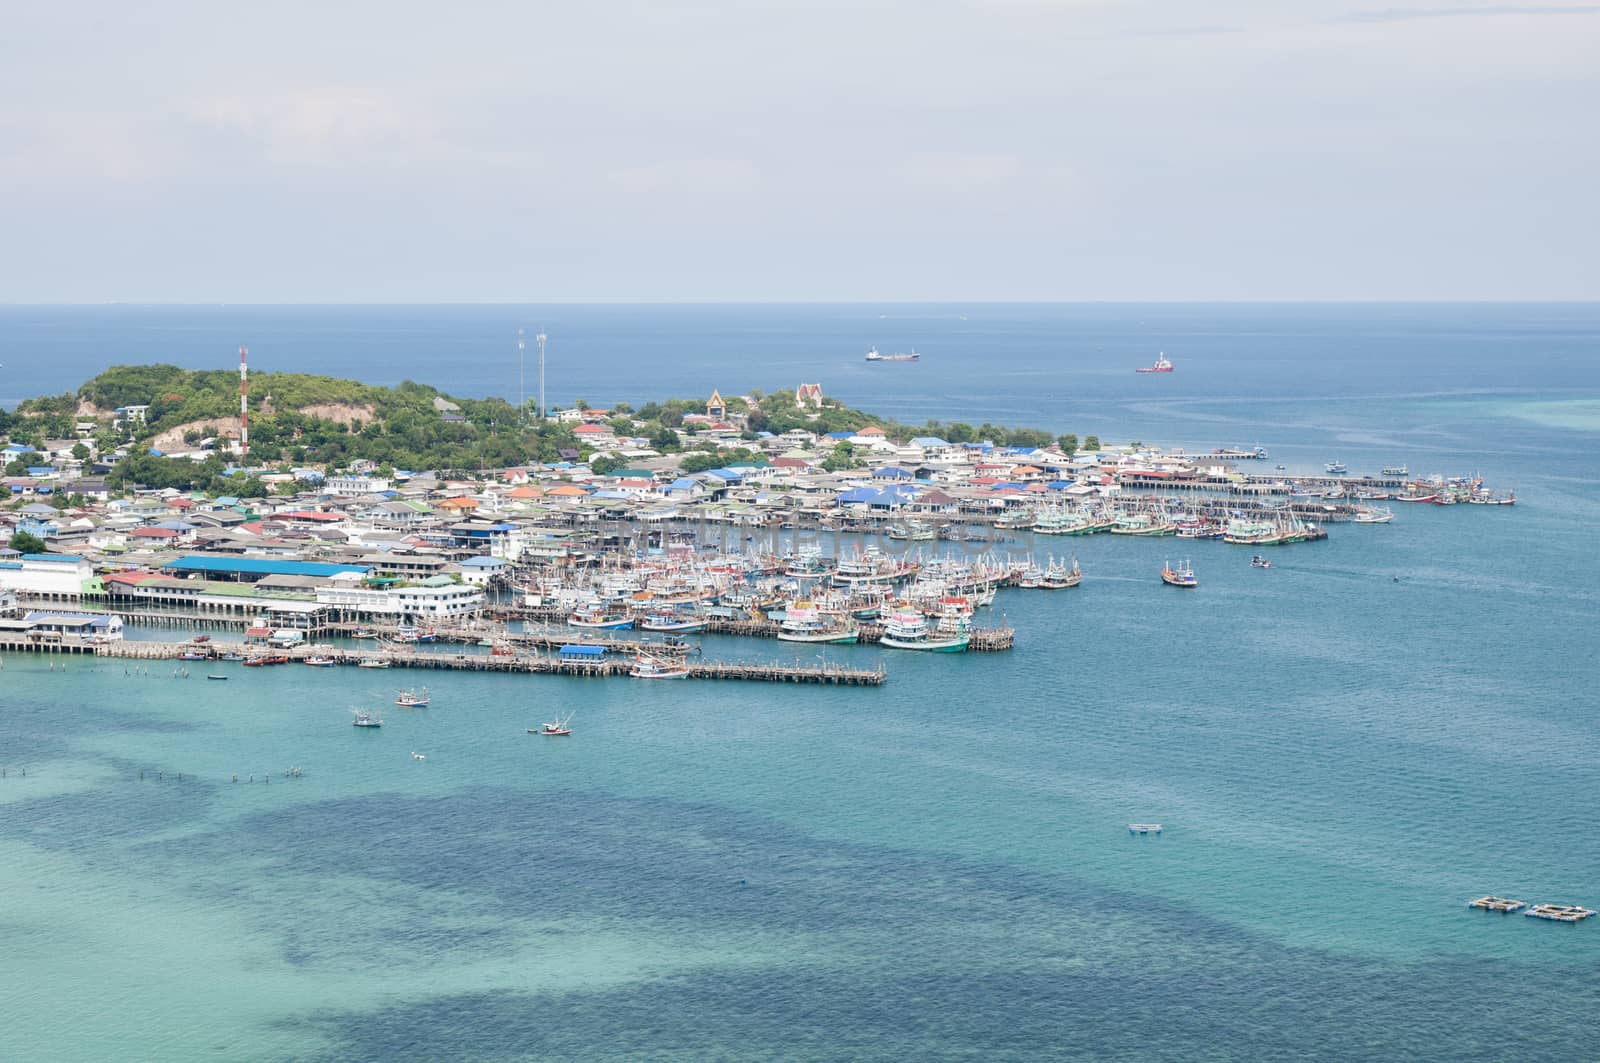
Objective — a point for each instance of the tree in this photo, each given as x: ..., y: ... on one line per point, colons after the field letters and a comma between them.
x: 1092, y: 443
x: 80, y: 452
x: 843, y: 457
x: 604, y: 465
x: 666, y: 441
x: 1068, y: 443
x: 27, y: 543
x: 699, y: 461
x: 756, y: 421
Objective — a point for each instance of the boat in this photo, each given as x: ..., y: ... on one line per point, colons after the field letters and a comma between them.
x: 908, y: 629
x: 1059, y: 577
x: 912, y: 531
x: 363, y: 633
x: 319, y: 661
x: 231, y: 657
x: 563, y: 726
x: 1395, y: 470
x: 1416, y: 498
x: 653, y: 666
x: 672, y: 620
x: 190, y: 655
x: 220, y: 677
x: 1257, y: 561
x: 874, y: 356
x: 803, y: 621
x: 1162, y: 365
x: 374, y: 663
x: 1180, y: 576
x: 366, y: 719
x: 1373, y: 515
x: 1144, y: 828
x: 1336, y: 468
x: 412, y: 699
x: 597, y: 615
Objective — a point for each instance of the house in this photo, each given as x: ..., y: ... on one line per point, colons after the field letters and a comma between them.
x: 808, y: 396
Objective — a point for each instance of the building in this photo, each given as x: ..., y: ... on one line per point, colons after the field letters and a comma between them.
x: 808, y: 396
x: 716, y: 409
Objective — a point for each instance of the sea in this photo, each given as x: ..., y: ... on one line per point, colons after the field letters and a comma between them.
x: 1343, y: 749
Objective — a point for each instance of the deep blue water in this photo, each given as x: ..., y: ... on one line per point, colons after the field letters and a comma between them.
x: 1344, y: 748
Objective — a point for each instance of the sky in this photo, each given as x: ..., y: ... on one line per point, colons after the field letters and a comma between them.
x: 1025, y: 150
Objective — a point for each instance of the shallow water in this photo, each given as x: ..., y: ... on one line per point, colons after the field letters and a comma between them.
x: 1344, y: 749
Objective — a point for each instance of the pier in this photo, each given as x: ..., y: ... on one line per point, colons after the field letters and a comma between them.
x: 531, y: 664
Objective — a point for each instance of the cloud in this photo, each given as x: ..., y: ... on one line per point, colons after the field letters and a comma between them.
x: 319, y: 125
x: 959, y: 171
x: 716, y: 176
x: 1408, y: 14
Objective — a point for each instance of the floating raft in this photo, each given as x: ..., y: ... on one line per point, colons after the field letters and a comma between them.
x: 1497, y: 904
x: 1144, y: 828
x: 1561, y: 913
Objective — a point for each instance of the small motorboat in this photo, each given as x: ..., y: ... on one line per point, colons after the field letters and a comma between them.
x: 417, y: 756
x: 1144, y: 828
x: 366, y: 719
x: 375, y: 663
x: 1258, y: 561
x: 221, y: 677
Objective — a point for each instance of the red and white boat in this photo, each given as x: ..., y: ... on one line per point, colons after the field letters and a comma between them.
x: 1163, y: 365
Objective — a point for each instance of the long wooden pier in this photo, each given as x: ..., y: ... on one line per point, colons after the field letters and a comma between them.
x: 533, y: 664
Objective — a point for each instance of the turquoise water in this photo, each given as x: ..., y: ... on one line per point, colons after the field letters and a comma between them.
x: 1343, y: 748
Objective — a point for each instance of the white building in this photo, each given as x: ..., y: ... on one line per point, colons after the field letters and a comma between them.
x: 442, y: 602
x: 58, y: 576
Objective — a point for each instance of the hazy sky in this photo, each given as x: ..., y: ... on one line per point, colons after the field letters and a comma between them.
x: 915, y: 149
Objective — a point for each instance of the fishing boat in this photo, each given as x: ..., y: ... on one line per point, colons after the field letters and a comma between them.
x: 562, y: 726
x: 412, y: 699
x: 871, y: 566
x: 596, y: 614
x: 874, y: 356
x: 376, y: 662
x: 1058, y: 576
x: 1417, y: 498
x: 1395, y: 470
x: 1162, y: 365
x: 191, y: 655
x: 1373, y: 515
x: 363, y: 633
x: 366, y: 719
x: 908, y: 629
x: 912, y: 531
x: 803, y: 621
x: 1179, y: 575
x: 319, y: 661
x: 231, y: 657
x: 1336, y: 468
x: 656, y: 666
x: 1257, y: 561
x: 686, y: 623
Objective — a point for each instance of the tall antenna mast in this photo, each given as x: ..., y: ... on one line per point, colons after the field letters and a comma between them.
x: 244, y: 406
x: 522, y: 390
x: 541, y: 340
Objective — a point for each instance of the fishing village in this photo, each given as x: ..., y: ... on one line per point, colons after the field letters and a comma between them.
x: 669, y: 523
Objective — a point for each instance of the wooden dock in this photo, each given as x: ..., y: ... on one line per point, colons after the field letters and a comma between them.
x: 524, y: 663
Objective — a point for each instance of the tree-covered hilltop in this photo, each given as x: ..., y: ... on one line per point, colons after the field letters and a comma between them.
x: 306, y: 419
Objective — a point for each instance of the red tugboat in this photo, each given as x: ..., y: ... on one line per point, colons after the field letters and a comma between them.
x: 1163, y: 365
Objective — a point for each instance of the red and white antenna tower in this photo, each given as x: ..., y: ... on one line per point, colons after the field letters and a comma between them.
x: 244, y: 405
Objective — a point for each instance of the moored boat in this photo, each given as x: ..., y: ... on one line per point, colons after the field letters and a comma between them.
x: 908, y: 629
